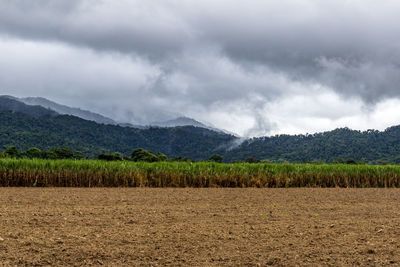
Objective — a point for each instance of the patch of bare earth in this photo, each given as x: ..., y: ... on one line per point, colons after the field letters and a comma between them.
x: 199, y: 227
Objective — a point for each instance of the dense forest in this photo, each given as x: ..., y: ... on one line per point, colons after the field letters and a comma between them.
x: 333, y: 146
x: 27, y: 126
x: 91, y: 139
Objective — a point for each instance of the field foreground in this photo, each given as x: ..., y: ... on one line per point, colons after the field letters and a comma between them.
x: 199, y: 227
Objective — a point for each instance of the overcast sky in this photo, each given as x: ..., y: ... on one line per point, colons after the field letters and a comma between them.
x: 251, y: 67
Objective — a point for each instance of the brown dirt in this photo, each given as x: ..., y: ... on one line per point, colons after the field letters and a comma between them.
x: 199, y: 227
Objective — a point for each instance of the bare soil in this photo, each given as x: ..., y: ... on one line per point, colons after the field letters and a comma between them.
x: 199, y: 227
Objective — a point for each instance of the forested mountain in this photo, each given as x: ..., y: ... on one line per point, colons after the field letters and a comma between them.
x: 91, y: 116
x: 12, y: 104
x: 90, y: 138
x: 185, y: 121
x: 370, y: 146
x: 65, y: 110
x: 28, y: 126
x: 180, y: 121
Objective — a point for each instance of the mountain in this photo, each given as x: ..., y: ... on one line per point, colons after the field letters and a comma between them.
x: 132, y: 125
x: 370, y: 146
x: 28, y: 126
x: 180, y: 121
x: 65, y: 110
x: 12, y: 104
x: 35, y: 126
x: 91, y: 116
x: 185, y: 121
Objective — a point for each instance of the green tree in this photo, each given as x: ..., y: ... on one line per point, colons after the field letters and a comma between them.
x: 110, y: 157
x: 362, y: 161
x: 252, y: 160
x: 12, y: 152
x: 49, y: 154
x: 186, y: 159
x: 339, y: 160
x: 162, y: 157
x: 34, y: 152
x: 351, y: 161
x: 215, y: 158
x: 141, y: 154
x: 63, y: 153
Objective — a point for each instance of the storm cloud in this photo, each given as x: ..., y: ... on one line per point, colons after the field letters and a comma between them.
x: 254, y: 67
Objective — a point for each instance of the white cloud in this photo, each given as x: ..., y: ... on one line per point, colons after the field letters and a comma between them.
x: 326, y: 110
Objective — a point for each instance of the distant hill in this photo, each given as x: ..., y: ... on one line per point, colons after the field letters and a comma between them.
x: 65, y: 110
x: 12, y: 104
x: 28, y: 126
x: 133, y: 125
x: 371, y: 146
x: 180, y: 121
x: 35, y: 126
x: 91, y: 116
x: 185, y: 121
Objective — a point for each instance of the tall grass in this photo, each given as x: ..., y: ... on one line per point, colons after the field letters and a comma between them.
x: 90, y: 173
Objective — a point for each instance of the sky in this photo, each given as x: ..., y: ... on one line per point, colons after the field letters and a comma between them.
x: 255, y: 67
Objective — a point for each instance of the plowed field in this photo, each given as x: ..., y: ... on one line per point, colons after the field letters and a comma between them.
x: 199, y: 227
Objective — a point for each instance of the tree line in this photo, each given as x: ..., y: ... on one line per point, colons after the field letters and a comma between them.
x: 36, y: 153
x: 137, y: 155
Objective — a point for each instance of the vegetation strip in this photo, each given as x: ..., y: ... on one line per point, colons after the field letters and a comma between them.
x: 96, y: 173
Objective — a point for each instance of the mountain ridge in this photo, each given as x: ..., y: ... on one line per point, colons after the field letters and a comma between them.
x: 371, y: 146
x: 179, y: 121
x: 28, y: 126
x: 66, y: 110
x: 186, y: 121
x: 92, y: 116
x: 9, y: 103
x: 34, y: 126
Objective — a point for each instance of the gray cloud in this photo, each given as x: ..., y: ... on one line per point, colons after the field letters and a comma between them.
x: 126, y: 27
x: 152, y: 60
